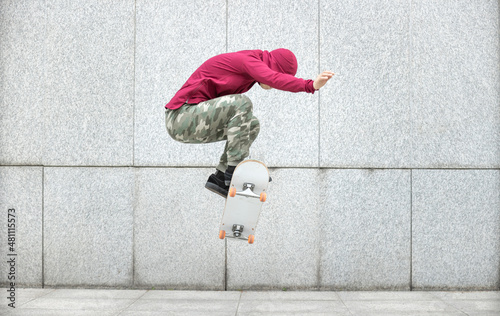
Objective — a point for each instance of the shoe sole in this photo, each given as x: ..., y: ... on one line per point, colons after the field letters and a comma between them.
x: 216, y: 189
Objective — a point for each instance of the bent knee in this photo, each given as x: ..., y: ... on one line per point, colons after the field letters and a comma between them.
x: 254, y: 128
x: 244, y: 103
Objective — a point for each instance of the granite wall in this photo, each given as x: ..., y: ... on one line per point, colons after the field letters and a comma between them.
x: 388, y: 178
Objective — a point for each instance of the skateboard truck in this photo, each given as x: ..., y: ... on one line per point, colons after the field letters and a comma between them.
x: 247, y: 185
x: 248, y: 190
x: 237, y: 230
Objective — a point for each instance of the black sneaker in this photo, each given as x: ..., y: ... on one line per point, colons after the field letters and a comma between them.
x: 228, y: 175
x: 215, y: 183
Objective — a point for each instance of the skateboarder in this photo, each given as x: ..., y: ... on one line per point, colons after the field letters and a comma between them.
x: 210, y: 106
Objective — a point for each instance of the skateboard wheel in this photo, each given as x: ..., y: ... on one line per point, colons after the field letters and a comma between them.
x: 232, y: 192
x: 263, y: 196
x: 222, y: 234
x: 251, y: 239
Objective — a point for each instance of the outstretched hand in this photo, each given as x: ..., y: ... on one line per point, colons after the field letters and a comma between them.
x: 322, y: 79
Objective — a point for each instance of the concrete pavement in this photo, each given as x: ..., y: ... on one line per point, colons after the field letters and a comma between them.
x: 247, y: 303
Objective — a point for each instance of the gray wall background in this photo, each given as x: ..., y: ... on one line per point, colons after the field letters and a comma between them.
x: 389, y: 178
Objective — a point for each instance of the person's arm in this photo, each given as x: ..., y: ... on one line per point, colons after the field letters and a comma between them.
x: 260, y: 72
x: 263, y: 74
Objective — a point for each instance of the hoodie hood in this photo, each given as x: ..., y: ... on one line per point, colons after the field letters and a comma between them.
x: 281, y: 60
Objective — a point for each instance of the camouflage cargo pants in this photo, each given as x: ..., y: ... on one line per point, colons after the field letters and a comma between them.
x: 228, y: 118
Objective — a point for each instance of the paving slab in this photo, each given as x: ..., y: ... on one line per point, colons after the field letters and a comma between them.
x: 22, y: 296
x: 386, y: 296
x: 95, y: 294
x: 192, y: 295
x: 194, y: 306
x: 177, y: 313
x: 399, y: 306
x: 300, y: 313
x: 122, y: 302
x: 292, y: 296
x: 476, y: 306
x: 60, y: 312
x: 410, y: 313
x: 293, y: 307
x: 110, y: 304
x: 477, y: 295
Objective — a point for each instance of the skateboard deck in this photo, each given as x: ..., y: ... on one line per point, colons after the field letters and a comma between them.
x: 247, y: 194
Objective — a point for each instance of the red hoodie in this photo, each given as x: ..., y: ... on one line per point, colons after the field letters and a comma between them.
x: 235, y: 73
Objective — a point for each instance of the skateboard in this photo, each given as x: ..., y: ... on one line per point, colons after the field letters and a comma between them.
x: 247, y: 194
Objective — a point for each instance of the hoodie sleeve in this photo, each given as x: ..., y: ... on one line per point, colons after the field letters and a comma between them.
x: 261, y: 73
